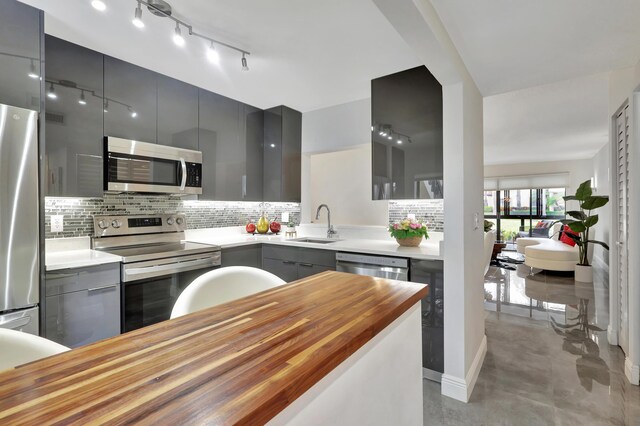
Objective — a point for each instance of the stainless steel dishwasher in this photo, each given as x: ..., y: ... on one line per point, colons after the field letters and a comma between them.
x: 394, y: 268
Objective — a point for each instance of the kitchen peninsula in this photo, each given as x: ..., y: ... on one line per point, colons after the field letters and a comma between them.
x: 334, y: 348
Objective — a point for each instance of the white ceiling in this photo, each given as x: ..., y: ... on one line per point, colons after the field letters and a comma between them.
x: 306, y: 54
x: 513, y: 44
x: 565, y: 120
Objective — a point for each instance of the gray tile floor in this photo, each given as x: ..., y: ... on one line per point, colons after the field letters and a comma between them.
x: 548, y: 360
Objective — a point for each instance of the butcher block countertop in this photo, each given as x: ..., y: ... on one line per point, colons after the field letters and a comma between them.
x: 238, y: 363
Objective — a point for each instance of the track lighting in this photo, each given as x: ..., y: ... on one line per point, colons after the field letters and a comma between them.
x: 137, y: 17
x: 177, y: 36
x: 212, y: 54
x: 99, y: 5
x: 399, y: 141
x: 245, y: 67
x: 52, y: 94
x: 389, y: 137
x: 105, y: 106
x: 82, y: 100
x: 32, y: 70
x: 132, y: 113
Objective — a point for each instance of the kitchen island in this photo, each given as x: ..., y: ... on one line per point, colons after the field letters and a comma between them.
x: 332, y: 348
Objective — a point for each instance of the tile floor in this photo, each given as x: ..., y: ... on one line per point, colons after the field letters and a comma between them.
x: 548, y: 360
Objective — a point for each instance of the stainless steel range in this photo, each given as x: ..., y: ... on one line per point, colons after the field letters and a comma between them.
x: 157, y: 264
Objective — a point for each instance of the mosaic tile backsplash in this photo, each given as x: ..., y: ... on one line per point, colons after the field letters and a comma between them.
x: 78, y: 212
x: 429, y: 211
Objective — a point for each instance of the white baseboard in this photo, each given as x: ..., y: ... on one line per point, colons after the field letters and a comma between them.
x: 458, y: 388
x: 612, y: 335
x: 632, y: 372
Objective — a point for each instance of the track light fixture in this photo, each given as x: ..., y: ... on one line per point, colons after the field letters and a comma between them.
x: 82, y: 100
x: 105, y: 106
x: 245, y: 67
x: 387, y: 131
x: 132, y: 113
x: 177, y: 36
x: 212, y: 54
x: 52, y: 94
x: 137, y: 17
x: 32, y: 70
x: 99, y: 5
x: 163, y: 9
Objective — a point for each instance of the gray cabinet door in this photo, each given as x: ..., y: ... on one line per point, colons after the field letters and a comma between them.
x: 83, y: 317
x: 131, y: 101
x: 178, y: 113
x: 285, y: 269
x: 242, y: 256
x: 406, y: 137
x: 252, y: 136
x: 308, y: 269
x: 431, y: 272
x: 74, y: 127
x: 223, y: 155
x: 21, y: 28
x: 282, y: 154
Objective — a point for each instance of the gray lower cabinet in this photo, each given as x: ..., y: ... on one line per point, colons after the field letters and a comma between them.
x: 82, y: 305
x: 431, y: 272
x: 242, y: 256
x: 293, y: 263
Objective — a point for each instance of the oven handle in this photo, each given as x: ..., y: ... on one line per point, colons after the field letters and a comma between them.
x: 172, y: 268
x: 184, y: 174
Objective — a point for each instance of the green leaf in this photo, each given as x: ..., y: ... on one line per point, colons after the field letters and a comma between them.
x: 577, y: 214
x: 590, y: 221
x: 584, y: 190
x: 577, y: 226
x: 594, y: 202
x: 569, y: 197
x: 605, y: 245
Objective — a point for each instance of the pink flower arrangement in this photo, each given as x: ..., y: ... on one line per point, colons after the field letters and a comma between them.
x: 407, y: 228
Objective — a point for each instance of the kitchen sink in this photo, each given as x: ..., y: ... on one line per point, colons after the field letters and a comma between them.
x: 315, y: 240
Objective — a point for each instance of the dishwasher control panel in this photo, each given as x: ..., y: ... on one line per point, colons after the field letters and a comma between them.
x: 396, y: 262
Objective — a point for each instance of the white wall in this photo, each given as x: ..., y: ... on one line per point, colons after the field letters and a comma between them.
x: 341, y: 179
x: 336, y: 165
x: 601, y: 173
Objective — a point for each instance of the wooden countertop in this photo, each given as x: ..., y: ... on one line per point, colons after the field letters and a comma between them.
x: 238, y: 363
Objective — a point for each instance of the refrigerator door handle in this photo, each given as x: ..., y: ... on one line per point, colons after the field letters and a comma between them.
x: 16, y: 323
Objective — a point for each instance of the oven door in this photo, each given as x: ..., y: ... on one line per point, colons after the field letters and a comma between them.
x: 149, y: 301
x: 132, y: 166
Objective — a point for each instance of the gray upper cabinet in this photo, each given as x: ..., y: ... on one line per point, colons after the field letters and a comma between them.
x: 21, y: 29
x: 282, y: 154
x: 73, y: 131
x: 178, y: 113
x: 252, y: 136
x: 131, y: 101
x: 406, y: 136
x: 223, y: 155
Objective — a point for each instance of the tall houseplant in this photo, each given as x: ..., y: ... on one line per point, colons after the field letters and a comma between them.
x: 582, y: 221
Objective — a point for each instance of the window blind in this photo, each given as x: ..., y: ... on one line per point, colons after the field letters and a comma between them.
x: 550, y: 180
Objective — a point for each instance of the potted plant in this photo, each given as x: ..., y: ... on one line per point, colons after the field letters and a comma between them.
x: 581, y: 222
x: 408, y: 232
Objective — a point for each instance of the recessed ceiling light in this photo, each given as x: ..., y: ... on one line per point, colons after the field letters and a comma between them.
x: 99, y: 5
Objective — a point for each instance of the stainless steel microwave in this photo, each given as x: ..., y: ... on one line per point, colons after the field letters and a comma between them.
x: 132, y: 166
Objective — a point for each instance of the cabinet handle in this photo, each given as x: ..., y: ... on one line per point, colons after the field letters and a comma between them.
x: 288, y: 262
x: 308, y: 265
x: 61, y: 276
x: 102, y: 288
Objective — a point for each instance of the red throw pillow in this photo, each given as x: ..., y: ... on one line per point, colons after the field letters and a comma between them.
x: 565, y: 238
x: 540, y: 224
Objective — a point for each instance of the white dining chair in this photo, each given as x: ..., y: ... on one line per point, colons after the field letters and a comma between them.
x: 489, y: 240
x: 19, y: 348
x: 221, y: 286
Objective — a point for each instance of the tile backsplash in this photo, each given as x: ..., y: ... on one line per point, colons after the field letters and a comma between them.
x: 430, y: 211
x: 78, y: 212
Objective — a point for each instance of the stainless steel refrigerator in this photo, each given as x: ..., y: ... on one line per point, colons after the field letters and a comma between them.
x: 19, y: 224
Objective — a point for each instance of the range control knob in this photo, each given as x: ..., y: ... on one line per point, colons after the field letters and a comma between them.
x: 103, y: 224
x: 170, y: 221
x: 179, y: 220
x: 116, y: 223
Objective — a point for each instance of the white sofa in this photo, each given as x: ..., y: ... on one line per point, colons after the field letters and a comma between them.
x: 548, y: 253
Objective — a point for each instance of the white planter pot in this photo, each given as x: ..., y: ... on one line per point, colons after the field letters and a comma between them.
x: 584, y: 273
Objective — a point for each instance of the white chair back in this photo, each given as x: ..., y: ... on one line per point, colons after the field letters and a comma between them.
x: 221, y: 286
x: 489, y: 240
x: 20, y: 348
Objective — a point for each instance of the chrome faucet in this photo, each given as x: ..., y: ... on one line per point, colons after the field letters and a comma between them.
x: 331, y: 233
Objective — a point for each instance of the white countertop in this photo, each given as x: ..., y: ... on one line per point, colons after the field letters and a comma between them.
x: 66, y: 253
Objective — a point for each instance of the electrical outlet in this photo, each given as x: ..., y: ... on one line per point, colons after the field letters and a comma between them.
x: 57, y: 223
x: 285, y: 217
